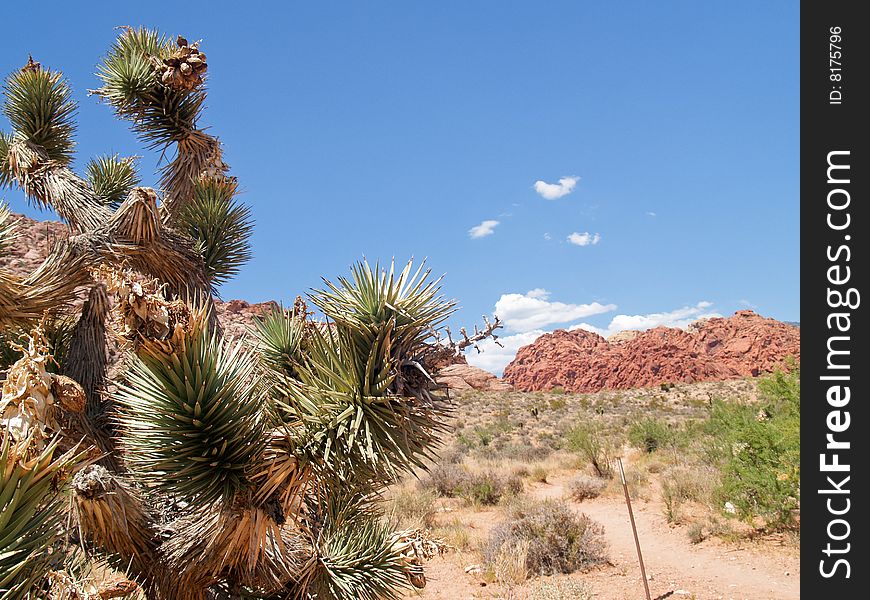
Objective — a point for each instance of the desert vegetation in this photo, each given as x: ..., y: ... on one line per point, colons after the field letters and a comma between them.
x: 197, y: 466
x: 715, y: 461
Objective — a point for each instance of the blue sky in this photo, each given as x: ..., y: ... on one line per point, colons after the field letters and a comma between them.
x: 395, y: 128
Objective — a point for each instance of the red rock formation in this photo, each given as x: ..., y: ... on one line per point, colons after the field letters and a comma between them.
x: 461, y: 376
x: 744, y: 345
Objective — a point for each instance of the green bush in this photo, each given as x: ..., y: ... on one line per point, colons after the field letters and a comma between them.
x: 650, y: 434
x: 594, y: 447
x: 758, y: 446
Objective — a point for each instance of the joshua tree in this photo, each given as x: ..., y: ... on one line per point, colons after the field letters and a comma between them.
x: 197, y: 466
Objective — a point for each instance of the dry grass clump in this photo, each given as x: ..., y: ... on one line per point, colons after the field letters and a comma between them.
x: 584, y: 487
x: 559, y: 540
x: 687, y: 484
x: 412, y: 508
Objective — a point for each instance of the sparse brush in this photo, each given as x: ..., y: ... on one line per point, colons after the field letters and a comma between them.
x: 559, y: 540
x: 584, y: 487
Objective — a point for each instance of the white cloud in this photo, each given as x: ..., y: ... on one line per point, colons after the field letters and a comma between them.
x: 484, y: 229
x: 584, y: 239
x: 651, y: 214
x: 747, y: 304
x: 680, y: 317
x: 548, y: 237
x: 551, y: 191
x: 538, y: 293
x: 533, y: 310
x: 494, y: 358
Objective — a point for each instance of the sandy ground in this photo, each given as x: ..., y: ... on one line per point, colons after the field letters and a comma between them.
x: 676, y: 568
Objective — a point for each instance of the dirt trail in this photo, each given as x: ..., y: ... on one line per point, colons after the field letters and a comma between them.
x: 711, y: 569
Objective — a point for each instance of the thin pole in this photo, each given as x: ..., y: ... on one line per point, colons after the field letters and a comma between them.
x: 633, y: 528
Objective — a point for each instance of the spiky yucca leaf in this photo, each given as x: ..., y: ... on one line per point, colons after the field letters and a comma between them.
x: 363, y: 415
x: 371, y: 298
x: 30, y: 512
x: 112, y: 178
x: 220, y: 226
x: 353, y: 553
x: 7, y: 227
x: 191, y: 421
x: 159, y: 114
x: 281, y: 340
x: 39, y: 107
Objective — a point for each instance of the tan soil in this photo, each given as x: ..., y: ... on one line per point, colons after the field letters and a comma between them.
x: 712, y: 569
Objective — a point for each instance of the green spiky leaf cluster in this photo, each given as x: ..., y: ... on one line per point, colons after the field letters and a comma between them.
x: 192, y: 419
x: 363, y: 396
x: 159, y: 114
x: 354, y: 555
x: 39, y: 107
x: 282, y: 341
x: 111, y: 178
x: 220, y: 227
x: 30, y: 513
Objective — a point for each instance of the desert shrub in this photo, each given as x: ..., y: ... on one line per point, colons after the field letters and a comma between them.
x: 539, y: 473
x: 584, y: 487
x: 696, y: 533
x: 560, y: 540
x: 412, y: 508
x: 446, y: 479
x: 488, y: 488
x: 650, y: 434
x: 527, y: 452
x: 759, y: 450
x: 557, y: 403
x: 593, y: 446
x: 560, y: 589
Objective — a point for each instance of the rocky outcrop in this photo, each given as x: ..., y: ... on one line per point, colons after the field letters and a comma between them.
x: 237, y: 316
x: 744, y: 345
x: 460, y: 377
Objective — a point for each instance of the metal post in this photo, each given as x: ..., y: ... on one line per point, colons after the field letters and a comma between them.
x: 633, y: 528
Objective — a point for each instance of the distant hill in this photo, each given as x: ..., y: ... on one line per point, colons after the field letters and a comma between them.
x: 716, y: 349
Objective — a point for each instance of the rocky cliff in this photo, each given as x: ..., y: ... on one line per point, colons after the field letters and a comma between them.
x: 744, y: 345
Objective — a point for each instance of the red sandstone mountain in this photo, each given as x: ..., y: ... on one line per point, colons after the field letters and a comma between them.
x: 744, y: 345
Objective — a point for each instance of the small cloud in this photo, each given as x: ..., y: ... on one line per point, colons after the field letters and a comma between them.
x: 548, y: 237
x: 747, y: 304
x: 538, y: 293
x: 551, y: 191
x: 680, y: 317
x: 484, y: 229
x: 534, y: 310
x: 651, y: 214
x: 584, y: 239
